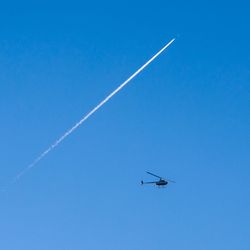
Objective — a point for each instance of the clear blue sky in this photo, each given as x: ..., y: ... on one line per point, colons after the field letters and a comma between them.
x: 186, y: 117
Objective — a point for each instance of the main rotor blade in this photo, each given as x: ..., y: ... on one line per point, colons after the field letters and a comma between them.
x: 170, y: 180
x: 154, y: 175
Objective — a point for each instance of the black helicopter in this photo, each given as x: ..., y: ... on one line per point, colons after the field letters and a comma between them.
x: 162, y: 182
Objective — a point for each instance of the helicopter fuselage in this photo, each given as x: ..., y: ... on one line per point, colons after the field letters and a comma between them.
x: 161, y: 183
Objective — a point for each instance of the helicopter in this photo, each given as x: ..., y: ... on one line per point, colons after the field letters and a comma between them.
x: 161, y: 183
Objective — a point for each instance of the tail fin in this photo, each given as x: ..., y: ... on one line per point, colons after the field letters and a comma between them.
x: 142, y: 182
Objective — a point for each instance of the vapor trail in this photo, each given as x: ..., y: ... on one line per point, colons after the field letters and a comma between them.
x: 84, y: 118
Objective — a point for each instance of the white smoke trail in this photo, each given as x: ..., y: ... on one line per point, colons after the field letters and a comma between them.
x: 57, y: 142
